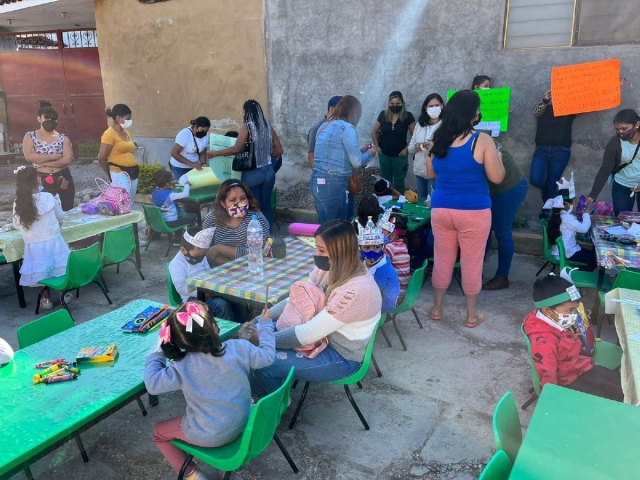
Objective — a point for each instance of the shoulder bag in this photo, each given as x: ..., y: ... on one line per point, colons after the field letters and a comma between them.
x: 246, y: 159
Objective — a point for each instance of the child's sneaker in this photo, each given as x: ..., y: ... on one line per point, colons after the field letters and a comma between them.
x: 46, y: 303
x: 196, y: 475
x: 68, y: 297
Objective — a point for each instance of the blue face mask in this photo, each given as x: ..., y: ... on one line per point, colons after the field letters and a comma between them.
x: 371, y: 256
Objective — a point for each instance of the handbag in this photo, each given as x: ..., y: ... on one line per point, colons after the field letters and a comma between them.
x: 113, y: 200
x: 354, y: 186
x: 245, y: 160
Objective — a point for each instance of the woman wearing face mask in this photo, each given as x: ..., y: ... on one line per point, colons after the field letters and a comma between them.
x: 482, y: 82
x: 51, y: 153
x: 190, y: 149
x: 421, y: 141
x: 390, y: 139
x: 230, y: 214
x: 116, y: 151
x: 261, y: 179
x: 337, y: 153
x: 621, y: 163
x: 351, y: 311
x: 462, y: 160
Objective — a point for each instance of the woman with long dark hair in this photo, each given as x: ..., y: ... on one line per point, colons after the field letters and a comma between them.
x: 190, y: 148
x: 462, y: 160
x: 37, y: 215
x: 51, y: 153
x: 230, y: 214
x: 261, y: 179
x: 389, y: 136
x: 351, y: 311
x: 422, y: 141
x: 116, y: 151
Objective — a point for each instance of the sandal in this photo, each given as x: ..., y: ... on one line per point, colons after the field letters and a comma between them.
x: 478, y: 320
x: 435, y: 314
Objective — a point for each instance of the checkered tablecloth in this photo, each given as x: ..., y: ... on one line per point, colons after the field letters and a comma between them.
x: 628, y: 328
x: 234, y: 279
x: 612, y: 255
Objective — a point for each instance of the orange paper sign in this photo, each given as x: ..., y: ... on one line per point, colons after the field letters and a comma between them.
x: 585, y: 87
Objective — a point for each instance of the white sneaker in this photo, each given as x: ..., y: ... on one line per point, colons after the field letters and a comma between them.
x: 196, y: 475
x: 68, y: 297
x: 46, y: 303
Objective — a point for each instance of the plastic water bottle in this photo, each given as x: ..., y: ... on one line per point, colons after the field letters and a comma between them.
x: 254, y: 243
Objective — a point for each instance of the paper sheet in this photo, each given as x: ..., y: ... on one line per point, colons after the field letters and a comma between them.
x: 635, y: 337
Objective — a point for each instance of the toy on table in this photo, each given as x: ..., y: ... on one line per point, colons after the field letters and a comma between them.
x: 101, y: 354
x: 146, y: 320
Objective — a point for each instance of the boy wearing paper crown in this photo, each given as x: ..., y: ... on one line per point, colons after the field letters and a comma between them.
x: 192, y: 260
x: 371, y: 241
x: 394, y: 227
x: 561, y: 341
x: 563, y: 222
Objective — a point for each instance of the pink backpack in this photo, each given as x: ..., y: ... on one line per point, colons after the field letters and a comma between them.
x: 113, y: 200
x: 305, y: 302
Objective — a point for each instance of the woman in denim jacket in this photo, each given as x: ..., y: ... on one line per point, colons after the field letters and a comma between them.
x: 337, y: 153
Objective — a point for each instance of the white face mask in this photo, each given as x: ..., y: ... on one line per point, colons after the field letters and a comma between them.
x: 127, y: 123
x: 434, y: 112
x: 484, y: 88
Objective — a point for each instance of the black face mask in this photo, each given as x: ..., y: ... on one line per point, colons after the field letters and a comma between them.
x: 49, y: 125
x: 201, y: 134
x: 395, y: 108
x: 476, y: 122
x: 194, y: 260
x: 322, y: 262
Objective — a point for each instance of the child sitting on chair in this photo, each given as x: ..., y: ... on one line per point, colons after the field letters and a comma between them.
x: 213, y: 376
x: 394, y: 228
x: 191, y: 260
x: 384, y: 191
x: 559, y: 349
x: 371, y: 241
x: 165, y: 199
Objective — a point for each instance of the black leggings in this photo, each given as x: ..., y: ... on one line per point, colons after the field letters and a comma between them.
x: 601, y: 382
x: 68, y: 196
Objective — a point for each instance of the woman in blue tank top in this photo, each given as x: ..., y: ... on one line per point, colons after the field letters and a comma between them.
x: 462, y: 160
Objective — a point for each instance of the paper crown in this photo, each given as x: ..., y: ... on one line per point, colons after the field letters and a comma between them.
x: 557, y: 202
x: 202, y: 239
x: 569, y: 186
x: 387, y: 223
x: 371, y: 234
x: 570, y: 294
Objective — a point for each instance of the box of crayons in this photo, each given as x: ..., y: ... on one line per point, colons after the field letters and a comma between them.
x: 100, y: 354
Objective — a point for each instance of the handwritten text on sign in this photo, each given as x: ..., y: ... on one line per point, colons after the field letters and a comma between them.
x: 585, y: 87
x: 494, y: 105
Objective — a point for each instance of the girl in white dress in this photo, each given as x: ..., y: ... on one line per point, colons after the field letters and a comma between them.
x: 38, y: 215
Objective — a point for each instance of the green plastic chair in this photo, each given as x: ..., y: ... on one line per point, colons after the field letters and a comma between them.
x: 175, y: 299
x: 83, y: 267
x: 260, y: 430
x: 581, y: 279
x: 117, y: 247
x: 155, y: 220
x: 506, y: 426
x: 45, y: 327
x: 498, y: 468
x: 546, y: 251
x: 456, y: 273
x: 606, y: 354
x: 411, y: 297
x: 350, y: 380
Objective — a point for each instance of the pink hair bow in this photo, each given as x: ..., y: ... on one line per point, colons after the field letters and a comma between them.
x: 192, y: 312
x: 165, y: 333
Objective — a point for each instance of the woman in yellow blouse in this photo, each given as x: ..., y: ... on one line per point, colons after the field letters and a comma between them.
x: 116, y: 151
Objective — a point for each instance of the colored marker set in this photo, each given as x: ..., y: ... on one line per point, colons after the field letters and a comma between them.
x: 57, y: 370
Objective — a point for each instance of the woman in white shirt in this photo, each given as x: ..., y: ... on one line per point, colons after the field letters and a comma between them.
x: 421, y: 141
x: 190, y: 149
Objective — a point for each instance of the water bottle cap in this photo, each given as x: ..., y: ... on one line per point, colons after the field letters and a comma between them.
x: 254, y: 217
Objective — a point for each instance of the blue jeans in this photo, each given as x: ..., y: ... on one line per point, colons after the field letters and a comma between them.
x: 547, y: 167
x: 326, y: 367
x: 179, y: 171
x: 221, y: 308
x: 261, y: 182
x: 425, y: 186
x: 329, y: 196
x: 622, y: 199
x: 504, y: 207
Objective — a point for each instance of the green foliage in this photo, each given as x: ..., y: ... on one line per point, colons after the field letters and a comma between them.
x: 88, y: 150
x: 145, y: 179
x: 520, y: 221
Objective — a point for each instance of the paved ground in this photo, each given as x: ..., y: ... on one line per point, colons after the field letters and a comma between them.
x: 430, y: 413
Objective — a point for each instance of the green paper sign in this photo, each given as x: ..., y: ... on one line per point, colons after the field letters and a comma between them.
x: 494, y: 105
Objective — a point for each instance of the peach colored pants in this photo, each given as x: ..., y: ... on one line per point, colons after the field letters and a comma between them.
x: 467, y: 229
x: 163, y: 434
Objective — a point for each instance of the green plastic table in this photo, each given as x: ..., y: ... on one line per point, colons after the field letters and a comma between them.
x: 573, y: 435
x: 201, y: 196
x: 419, y: 215
x: 36, y: 419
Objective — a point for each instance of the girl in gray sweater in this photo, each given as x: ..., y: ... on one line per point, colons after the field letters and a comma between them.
x: 213, y: 376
